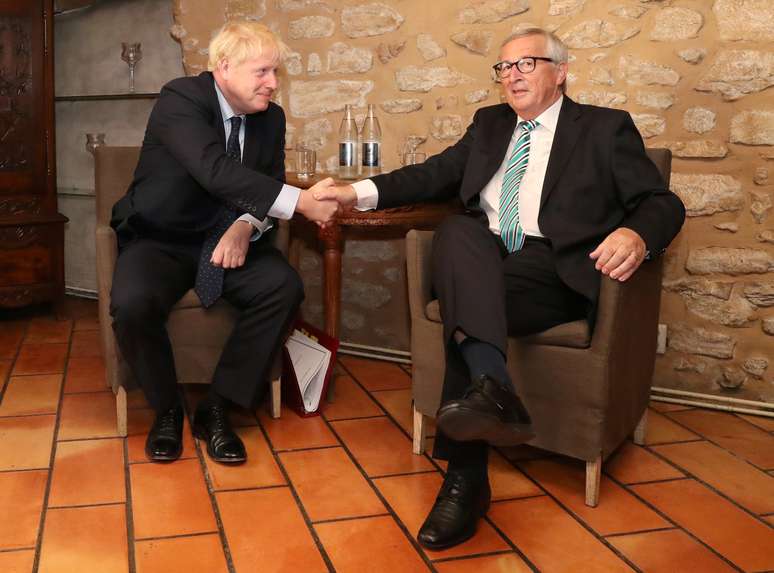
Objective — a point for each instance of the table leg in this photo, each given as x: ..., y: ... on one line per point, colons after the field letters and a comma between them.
x: 333, y: 243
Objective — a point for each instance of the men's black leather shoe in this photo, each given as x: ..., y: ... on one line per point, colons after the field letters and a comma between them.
x: 454, y: 517
x: 223, y: 445
x: 165, y: 440
x: 487, y: 412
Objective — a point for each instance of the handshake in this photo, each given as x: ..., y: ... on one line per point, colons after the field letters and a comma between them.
x: 321, y: 202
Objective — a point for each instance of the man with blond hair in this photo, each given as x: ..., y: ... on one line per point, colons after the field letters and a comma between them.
x: 199, y: 212
x: 557, y: 194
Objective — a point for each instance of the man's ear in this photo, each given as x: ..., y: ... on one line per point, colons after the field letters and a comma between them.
x: 223, y: 67
x: 562, y: 73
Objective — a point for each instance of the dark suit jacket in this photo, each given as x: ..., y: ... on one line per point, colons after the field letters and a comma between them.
x: 598, y: 179
x: 184, y: 175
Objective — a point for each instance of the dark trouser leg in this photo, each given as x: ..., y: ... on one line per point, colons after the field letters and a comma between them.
x: 488, y: 294
x: 268, y: 292
x: 149, y: 278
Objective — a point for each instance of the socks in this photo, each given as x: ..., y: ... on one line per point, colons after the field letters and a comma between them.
x: 214, y: 399
x: 472, y: 468
x: 484, y: 358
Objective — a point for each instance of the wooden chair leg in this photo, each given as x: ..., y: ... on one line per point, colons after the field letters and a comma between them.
x: 276, y: 398
x: 639, y: 431
x: 420, y: 429
x: 593, y: 474
x: 121, y: 412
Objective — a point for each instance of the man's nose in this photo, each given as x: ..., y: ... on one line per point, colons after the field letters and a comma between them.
x: 273, y: 80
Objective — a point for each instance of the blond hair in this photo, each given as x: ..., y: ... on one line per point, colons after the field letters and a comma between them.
x: 241, y: 40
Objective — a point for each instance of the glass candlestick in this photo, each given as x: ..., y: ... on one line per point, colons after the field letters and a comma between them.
x: 93, y: 141
x: 131, y: 53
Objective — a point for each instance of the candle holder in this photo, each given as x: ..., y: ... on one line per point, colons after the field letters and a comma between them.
x: 93, y: 141
x: 131, y: 53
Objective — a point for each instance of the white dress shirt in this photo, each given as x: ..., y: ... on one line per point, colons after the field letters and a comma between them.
x: 530, y: 188
x: 285, y: 204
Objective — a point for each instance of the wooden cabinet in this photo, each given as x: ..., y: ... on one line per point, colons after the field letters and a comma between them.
x: 31, y: 229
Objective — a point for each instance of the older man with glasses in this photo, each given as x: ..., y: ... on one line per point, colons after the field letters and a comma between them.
x: 557, y: 194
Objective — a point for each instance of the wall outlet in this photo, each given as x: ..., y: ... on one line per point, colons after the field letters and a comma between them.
x: 662, y: 339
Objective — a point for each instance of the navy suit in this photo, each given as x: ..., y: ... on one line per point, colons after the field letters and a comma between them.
x: 182, y: 180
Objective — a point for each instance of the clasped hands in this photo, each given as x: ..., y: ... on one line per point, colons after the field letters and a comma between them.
x: 320, y: 204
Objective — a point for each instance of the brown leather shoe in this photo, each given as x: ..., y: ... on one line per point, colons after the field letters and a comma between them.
x: 487, y: 412
x: 455, y: 514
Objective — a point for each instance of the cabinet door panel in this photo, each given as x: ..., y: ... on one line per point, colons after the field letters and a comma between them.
x: 22, y: 107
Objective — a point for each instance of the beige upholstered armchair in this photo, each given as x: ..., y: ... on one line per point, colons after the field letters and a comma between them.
x: 585, y: 392
x: 197, y: 335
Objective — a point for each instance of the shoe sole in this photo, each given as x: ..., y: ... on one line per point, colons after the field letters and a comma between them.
x: 162, y: 458
x: 199, y: 435
x: 466, y: 425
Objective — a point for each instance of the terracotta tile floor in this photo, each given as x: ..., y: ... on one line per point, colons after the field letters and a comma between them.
x: 343, y: 492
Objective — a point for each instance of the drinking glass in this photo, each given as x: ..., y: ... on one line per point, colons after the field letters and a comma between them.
x: 131, y: 53
x: 306, y: 163
x: 413, y: 157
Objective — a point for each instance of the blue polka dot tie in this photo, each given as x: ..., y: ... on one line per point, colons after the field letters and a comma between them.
x: 510, y: 228
x: 209, y: 278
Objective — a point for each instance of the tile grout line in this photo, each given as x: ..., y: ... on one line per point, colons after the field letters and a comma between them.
x: 368, y: 479
x: 13, y: 359
x: 349, y: 518
x: 643, y: 531
x: 292, y: 488
x: 402, y: 526
x: 52, y: 458
x: 746, y: 421
x: 388, y: 415
x: 714, y: 443
x: 210, y: 492
x: 439, y: 469
x: 712, y: 488
x: 177, y: 536
x: 474, y: 556
x: 129, y: 513
x: 577, y: 518
x: 674, y: 522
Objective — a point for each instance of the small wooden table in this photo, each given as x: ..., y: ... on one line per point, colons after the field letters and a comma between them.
x: 417, y: 216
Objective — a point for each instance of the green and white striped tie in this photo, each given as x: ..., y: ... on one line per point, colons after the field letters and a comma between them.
x: 510, y: 229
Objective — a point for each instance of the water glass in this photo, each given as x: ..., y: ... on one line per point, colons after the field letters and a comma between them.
x: 306, y: 162
x: 413, y: 157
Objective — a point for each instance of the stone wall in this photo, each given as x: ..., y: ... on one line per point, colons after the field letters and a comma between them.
x: 694, y: 74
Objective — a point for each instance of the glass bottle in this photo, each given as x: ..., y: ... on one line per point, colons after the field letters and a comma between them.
x: 371, y: 154
x: 348, y: 145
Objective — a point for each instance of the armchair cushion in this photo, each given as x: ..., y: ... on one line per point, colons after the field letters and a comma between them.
x: 570, y: 334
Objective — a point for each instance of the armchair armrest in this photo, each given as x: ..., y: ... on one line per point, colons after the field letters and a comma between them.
x: 107, y: 253
x: 419, y: 246
x: 629, y: 311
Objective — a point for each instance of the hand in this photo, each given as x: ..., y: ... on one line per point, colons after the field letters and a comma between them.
x: 231, y: 250
x: 620, y: 254
x: 322, y: 211
x: 345, y: 195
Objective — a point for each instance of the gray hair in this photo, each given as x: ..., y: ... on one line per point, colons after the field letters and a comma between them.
x: 557, y: 50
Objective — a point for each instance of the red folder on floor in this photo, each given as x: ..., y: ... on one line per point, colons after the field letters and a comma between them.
x: 304, y: 347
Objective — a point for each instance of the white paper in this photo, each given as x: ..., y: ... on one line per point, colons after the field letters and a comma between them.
x: 310, y: 363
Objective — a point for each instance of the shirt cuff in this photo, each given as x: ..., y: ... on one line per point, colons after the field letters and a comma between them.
x: 367, y: 195
x: 260, y: 225
x: 285, y: 204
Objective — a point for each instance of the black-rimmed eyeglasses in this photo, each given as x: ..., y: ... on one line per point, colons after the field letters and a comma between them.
x: 525, y: 65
